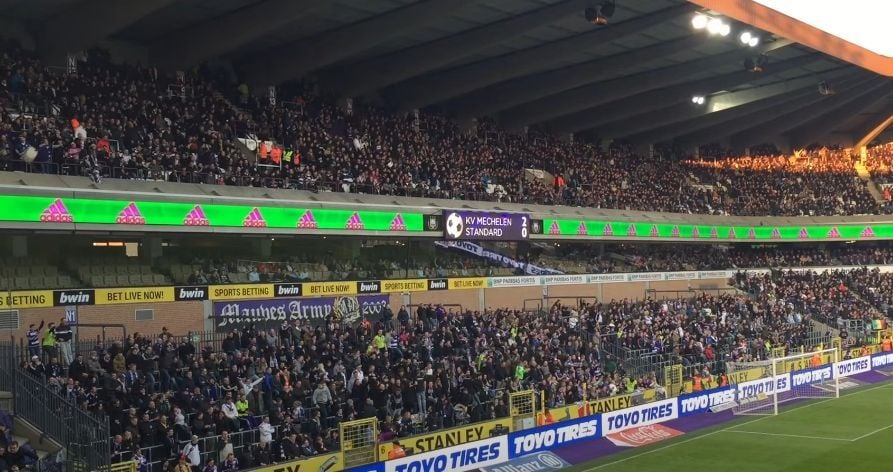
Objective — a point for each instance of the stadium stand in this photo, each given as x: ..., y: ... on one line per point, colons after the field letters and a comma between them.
x: 413, y: 371
x: 182, y: 130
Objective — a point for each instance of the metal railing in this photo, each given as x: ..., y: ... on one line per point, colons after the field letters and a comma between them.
x: 473, y: 192
x: 7, y: 365
x: 87, y: 343
x: 82, y: 434
x: 209, y: 448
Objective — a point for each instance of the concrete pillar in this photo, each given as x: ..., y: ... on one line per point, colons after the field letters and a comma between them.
x: 346, y: 104
x: 151, y: 248
x: 468, y: 125
x: 263, y: 247
x: 19, y: 246
x: 644, y: 149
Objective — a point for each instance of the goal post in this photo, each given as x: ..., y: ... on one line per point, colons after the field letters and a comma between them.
x: 760, y: 386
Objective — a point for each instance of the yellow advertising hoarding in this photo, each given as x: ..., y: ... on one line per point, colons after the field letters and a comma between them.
x: 468, y: 282
x: 322, y: 463
x: 399, y: 286
x: 329, y: 288
x: 115, y: 296
x: 26, y: 299
x: 449, y: 437
x: 240, y: 291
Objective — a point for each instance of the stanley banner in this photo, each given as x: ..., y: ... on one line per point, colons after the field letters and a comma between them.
x: 450, y: 437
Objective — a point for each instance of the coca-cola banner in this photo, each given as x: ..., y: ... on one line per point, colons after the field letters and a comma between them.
x: 271, y: 313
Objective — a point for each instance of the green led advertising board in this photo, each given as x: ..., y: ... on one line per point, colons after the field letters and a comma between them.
x: 121, y: 212
x: 626, y: 230
x: 52, y: 210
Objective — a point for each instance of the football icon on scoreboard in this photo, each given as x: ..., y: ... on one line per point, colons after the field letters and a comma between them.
x: 454, y: 225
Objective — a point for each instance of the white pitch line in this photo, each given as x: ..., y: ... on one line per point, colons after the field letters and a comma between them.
x: 618, y: 461
x: 873, y: 432
x: 785, y: 435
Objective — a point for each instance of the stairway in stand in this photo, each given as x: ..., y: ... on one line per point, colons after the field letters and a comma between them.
x: 26, y: 434
x: 873, y: 188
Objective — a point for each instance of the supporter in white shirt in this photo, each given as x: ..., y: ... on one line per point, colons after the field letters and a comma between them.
x: 266, y: 430
x: 231, y: 412
x: 192, y: 453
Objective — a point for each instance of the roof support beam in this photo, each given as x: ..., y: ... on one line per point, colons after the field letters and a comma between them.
x: 600, y: 93
x: 713, y: 132
x: 654, y: 129
x: 687, y: 127
x: 221, y: 35
x: 435, y: 88
x: 656, y: 99
x: 817, y: 128
x: 829, y: 107
x: 295, y: 59
x: 374, y: 73
x: 86, y: 23
x: 874, y: 132
x: 514, y: 92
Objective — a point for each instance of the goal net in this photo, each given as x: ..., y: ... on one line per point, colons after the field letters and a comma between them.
x: 760, y: 386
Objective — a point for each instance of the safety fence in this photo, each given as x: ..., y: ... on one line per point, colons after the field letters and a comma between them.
x: 90, y: 339
x: 209, y: 447
x: 84, y: 436
x: 7, y: 366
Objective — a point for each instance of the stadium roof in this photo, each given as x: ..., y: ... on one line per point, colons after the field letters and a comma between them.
x: 525, y: 62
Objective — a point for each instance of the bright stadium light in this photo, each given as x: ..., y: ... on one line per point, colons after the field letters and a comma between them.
x: 725, y: 29
x: 697, y: 99
x: 714, y: 25
x: 749, y: 39
x: 699, y: 21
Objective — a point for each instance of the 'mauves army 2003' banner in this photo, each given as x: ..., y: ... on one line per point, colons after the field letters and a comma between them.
x: 271, y: 313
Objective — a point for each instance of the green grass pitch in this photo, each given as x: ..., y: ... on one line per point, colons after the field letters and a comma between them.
x: 850, y: 433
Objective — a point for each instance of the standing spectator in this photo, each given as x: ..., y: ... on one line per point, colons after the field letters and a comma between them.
x: 193, y: 454
x: 33, y: 336
x: 63, y: 341
x: 266, y: 430
x: 322, y: 398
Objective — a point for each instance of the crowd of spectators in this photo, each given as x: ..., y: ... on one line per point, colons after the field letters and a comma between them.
x: 702, y: 330
x: 124, y: 121
x: 821, y: 182
x: 666, y: 258
x: 262, y: 390
x: 879, y: 163
x: 272, y: 393
x: 830, y: 296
